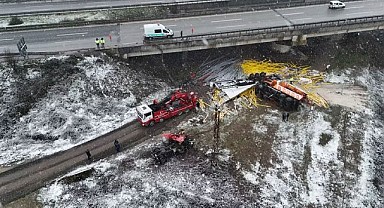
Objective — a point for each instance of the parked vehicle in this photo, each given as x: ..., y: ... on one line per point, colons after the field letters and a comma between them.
x: 336, y: 5
x: 157, y: 31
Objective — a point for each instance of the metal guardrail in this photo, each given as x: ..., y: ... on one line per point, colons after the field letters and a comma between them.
x: 278, y: 29
x: 257, y: 31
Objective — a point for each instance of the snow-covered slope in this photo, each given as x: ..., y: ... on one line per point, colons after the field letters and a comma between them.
x: 99, y: 97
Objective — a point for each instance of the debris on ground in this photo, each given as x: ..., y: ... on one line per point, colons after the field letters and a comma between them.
x: 279, y: 82
x: 175, y: 144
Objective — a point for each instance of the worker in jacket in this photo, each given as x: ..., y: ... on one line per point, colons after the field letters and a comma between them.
x: 102, y: 42
x: 97, y: 41
x: 291, y: 80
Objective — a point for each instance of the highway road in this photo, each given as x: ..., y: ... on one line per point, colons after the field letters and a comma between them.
x: 41, y: 6
x: 131, y: 33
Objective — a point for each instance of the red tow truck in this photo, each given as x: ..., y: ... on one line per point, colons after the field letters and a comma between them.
x: 175, y: 104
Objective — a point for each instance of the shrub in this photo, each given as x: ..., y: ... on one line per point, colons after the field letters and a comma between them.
x: 15, y: 21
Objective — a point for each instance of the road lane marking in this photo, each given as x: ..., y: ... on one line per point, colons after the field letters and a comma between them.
x: 359, y: 13
x: 228, y: 20
x: 71, y: 34
x: 356, y: 7
x: 65, y: 41
x: 293, y: 13
x: 6, y: 39
x: 308, y: 18
x: 153, y: 2
x: 230, y: 26
x: 36, y: 6
x: 131, y: 43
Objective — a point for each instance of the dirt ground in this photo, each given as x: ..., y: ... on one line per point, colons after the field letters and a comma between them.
x: 346, y: 95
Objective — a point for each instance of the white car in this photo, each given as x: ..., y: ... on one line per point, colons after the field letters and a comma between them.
x: 336, y: 5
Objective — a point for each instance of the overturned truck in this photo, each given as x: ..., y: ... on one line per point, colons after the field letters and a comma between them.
x: 267, y: 87
x: 271, y: 87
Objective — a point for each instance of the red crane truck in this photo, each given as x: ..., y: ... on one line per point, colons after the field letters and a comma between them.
x: 174, y: 104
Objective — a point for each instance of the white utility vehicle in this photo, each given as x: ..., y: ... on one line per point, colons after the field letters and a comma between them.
x: 336, y: 5
x: 157, y: 31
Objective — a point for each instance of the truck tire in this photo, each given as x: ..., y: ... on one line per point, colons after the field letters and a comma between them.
x: 296, y: 104
x: 282, y: 99
x: 257, y: 77
x: 259, y: 91
x: 161, y: 120
x: 288, y: 103
x: 152, y: 123
x: 180, y: 113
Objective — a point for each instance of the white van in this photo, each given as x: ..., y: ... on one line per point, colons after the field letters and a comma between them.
x: 336, y: 5
x: 156, y: 31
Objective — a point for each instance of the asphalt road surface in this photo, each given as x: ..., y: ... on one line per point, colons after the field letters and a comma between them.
x: 47, y: 6
x: 131, y: 33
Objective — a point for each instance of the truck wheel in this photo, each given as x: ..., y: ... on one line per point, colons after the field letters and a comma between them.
x: 161, y: 120
x: 187, y: 110
x: 180, y: 113
x: 296, y: 104
x: 152, y: 123
x: 257, y: 77
x: 288, y: 103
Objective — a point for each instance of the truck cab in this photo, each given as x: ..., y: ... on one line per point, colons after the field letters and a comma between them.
x: 144, y: 113
x: 157, y: 31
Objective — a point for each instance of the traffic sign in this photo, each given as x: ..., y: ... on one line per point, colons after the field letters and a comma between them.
x: 22, y: 46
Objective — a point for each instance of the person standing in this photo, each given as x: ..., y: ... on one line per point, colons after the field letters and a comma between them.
x: 97, y: 41
x: 88, y: 154
x: 286, y: 116
x: 102, y: 42
x: 291, y: 80
x: 117, y: 146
